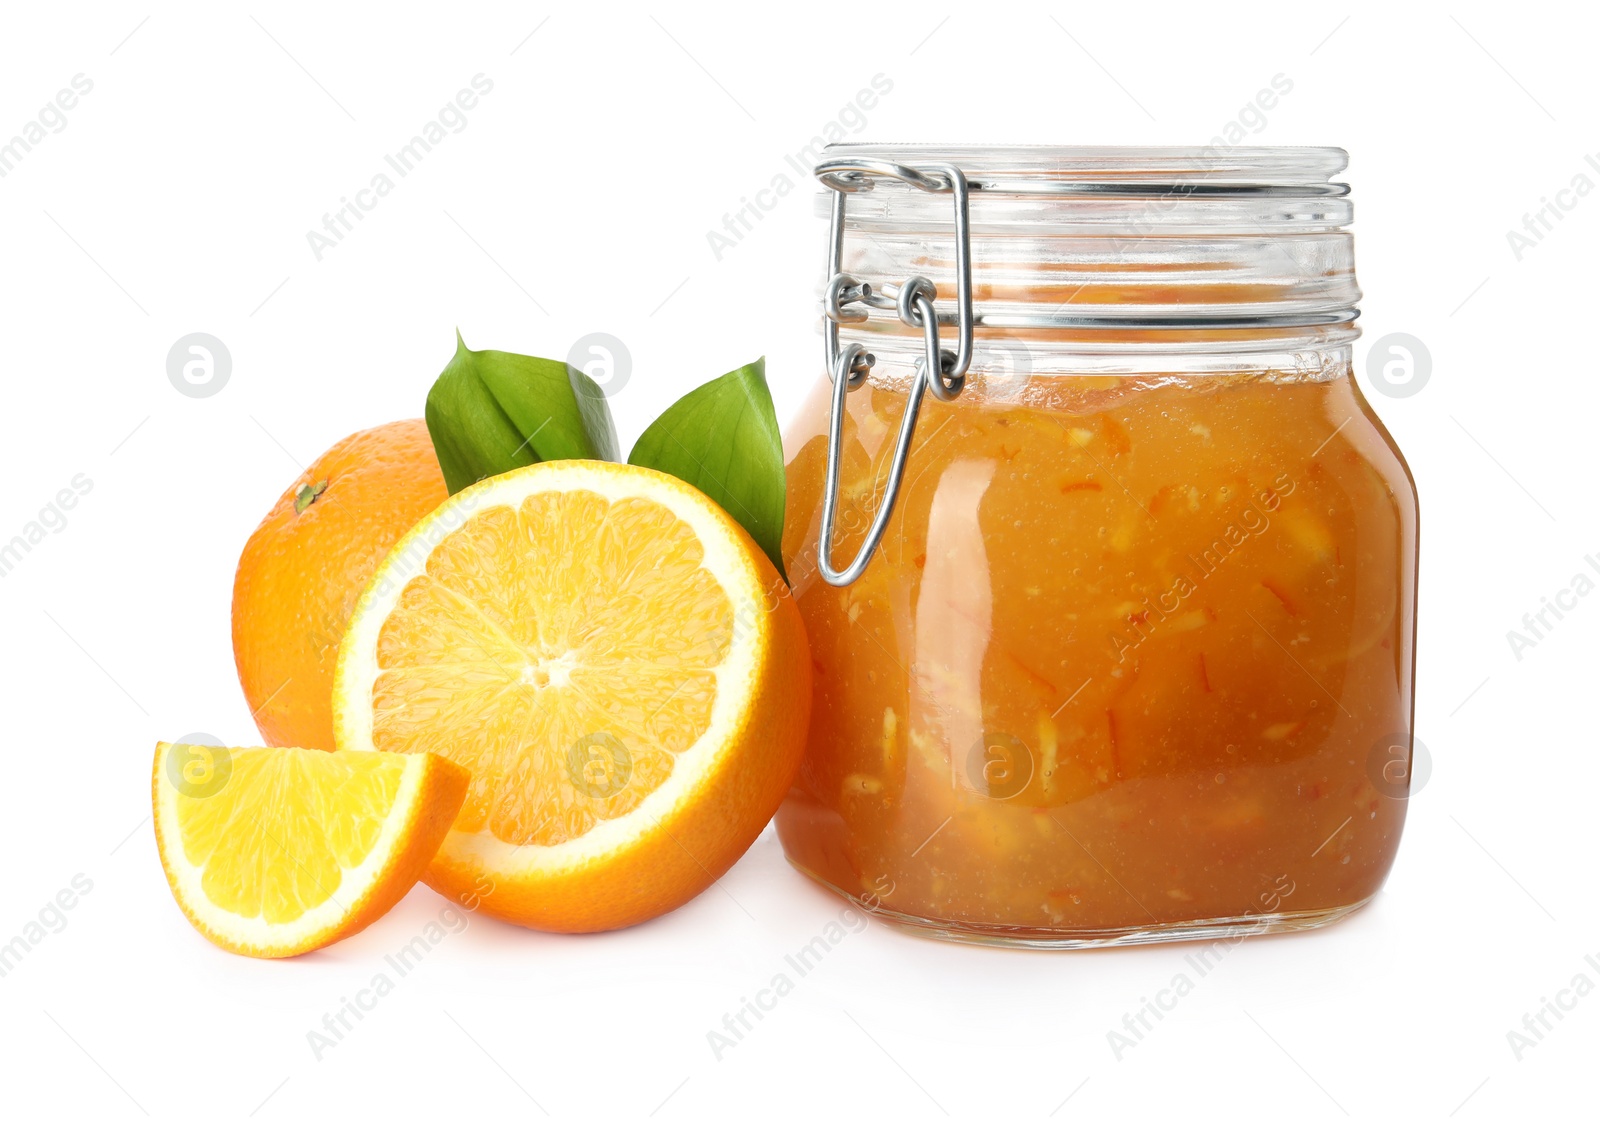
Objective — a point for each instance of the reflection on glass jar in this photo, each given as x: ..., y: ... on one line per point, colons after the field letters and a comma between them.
x: 1142, y: 611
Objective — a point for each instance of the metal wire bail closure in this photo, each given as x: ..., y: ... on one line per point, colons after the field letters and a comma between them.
x: 941, y: 371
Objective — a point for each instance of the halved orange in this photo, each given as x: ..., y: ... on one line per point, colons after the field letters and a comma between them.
x: 618, y: 665
x: 274, y: 851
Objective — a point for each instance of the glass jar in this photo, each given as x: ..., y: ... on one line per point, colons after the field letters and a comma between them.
x: 1126, y: 652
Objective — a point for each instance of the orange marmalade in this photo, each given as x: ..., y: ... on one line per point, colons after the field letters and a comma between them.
x: 1133, y: 658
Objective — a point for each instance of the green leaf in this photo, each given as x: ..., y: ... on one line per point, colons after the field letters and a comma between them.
x: 723, y: 438
x: 490, y: 412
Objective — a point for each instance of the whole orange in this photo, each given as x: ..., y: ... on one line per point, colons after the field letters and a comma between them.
x: 309, y: 560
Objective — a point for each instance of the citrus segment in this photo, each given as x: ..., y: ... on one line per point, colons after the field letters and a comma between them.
x: 277, y: 851
x: 617, y: 665
x: 537, y: 685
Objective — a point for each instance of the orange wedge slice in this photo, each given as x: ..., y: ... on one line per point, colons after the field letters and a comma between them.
x: 617, y: 664
x: 275, y: 851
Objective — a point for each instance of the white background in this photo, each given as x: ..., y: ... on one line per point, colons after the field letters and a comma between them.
x: 578, y: 197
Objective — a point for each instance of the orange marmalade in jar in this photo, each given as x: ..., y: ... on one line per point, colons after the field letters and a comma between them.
x: 1108, y: 568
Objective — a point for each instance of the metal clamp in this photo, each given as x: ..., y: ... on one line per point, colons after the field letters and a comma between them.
x: 942, y: 371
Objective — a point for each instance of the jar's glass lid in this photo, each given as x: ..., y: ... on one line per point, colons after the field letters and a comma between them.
x: 1048, y: 170
x: 1200, y: 239
x: 1141, y: 189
